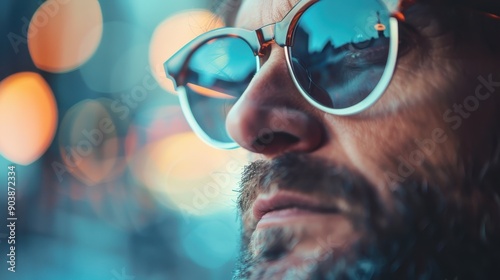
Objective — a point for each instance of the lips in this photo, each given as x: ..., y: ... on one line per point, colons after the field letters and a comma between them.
x: 284, y: 204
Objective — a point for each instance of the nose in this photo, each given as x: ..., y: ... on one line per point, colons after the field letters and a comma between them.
x: 271, y: 117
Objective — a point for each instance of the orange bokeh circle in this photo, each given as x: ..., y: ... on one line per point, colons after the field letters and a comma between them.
x: 64, y: 34
x: 172, y: 34
x: 28, y: 117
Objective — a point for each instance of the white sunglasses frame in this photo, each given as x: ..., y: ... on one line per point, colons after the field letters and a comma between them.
x: 280, y: 33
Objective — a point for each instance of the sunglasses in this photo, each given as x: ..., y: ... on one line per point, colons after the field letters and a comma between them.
x: 341, y: 56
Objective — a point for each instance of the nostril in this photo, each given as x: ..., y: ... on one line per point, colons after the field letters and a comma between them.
x: 271, y: 128
x: 274, y: 141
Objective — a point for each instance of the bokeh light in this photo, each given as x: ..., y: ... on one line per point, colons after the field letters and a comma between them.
x: 28, y: 117
x: 172, y: 34
x: 154, y: 122
x: 63, y: 35
x: 113, y: 169
x: 120, y: 62
x: 188, y: 175
x: 207, y: 251
x: 122, y: 205
x: 90, y: 146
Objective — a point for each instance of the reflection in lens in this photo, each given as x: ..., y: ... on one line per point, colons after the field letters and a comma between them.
x: 208, y: 92
x: 340, y: 50
x: 218, y: 73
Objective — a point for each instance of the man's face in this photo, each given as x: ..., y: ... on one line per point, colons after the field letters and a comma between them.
x: 407, y: 188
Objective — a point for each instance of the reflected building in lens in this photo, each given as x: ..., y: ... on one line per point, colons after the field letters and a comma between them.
x: 325, y: 62
x: 380, y: 27
x: 331, y: 52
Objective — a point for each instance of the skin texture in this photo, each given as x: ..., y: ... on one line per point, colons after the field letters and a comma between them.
x: 414, y: 178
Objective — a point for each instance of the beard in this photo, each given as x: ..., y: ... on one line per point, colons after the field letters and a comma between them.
x: 449, y: 230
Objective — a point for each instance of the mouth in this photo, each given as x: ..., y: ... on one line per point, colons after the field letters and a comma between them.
x: 289, y: 207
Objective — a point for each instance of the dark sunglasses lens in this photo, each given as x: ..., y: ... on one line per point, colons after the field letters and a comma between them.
x: 340, y: 50
x: 218, y: 73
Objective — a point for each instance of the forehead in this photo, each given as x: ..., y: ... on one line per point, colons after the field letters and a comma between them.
x: 254, y: 14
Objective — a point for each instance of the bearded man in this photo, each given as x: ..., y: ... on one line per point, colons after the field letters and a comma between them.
x: 375, y: 129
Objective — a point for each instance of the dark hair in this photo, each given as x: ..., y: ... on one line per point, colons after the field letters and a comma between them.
x: 487, y: 6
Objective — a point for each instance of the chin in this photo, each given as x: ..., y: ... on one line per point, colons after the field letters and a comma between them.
x: 341, y: 229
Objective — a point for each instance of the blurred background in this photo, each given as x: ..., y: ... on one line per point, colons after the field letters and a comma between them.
x: 111, y: 183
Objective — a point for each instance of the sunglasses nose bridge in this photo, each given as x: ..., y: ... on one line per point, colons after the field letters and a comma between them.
x: 266, y: 35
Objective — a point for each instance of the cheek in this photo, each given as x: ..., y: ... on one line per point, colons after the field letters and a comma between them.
x: 418, y: 83
x: 392, y: 149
